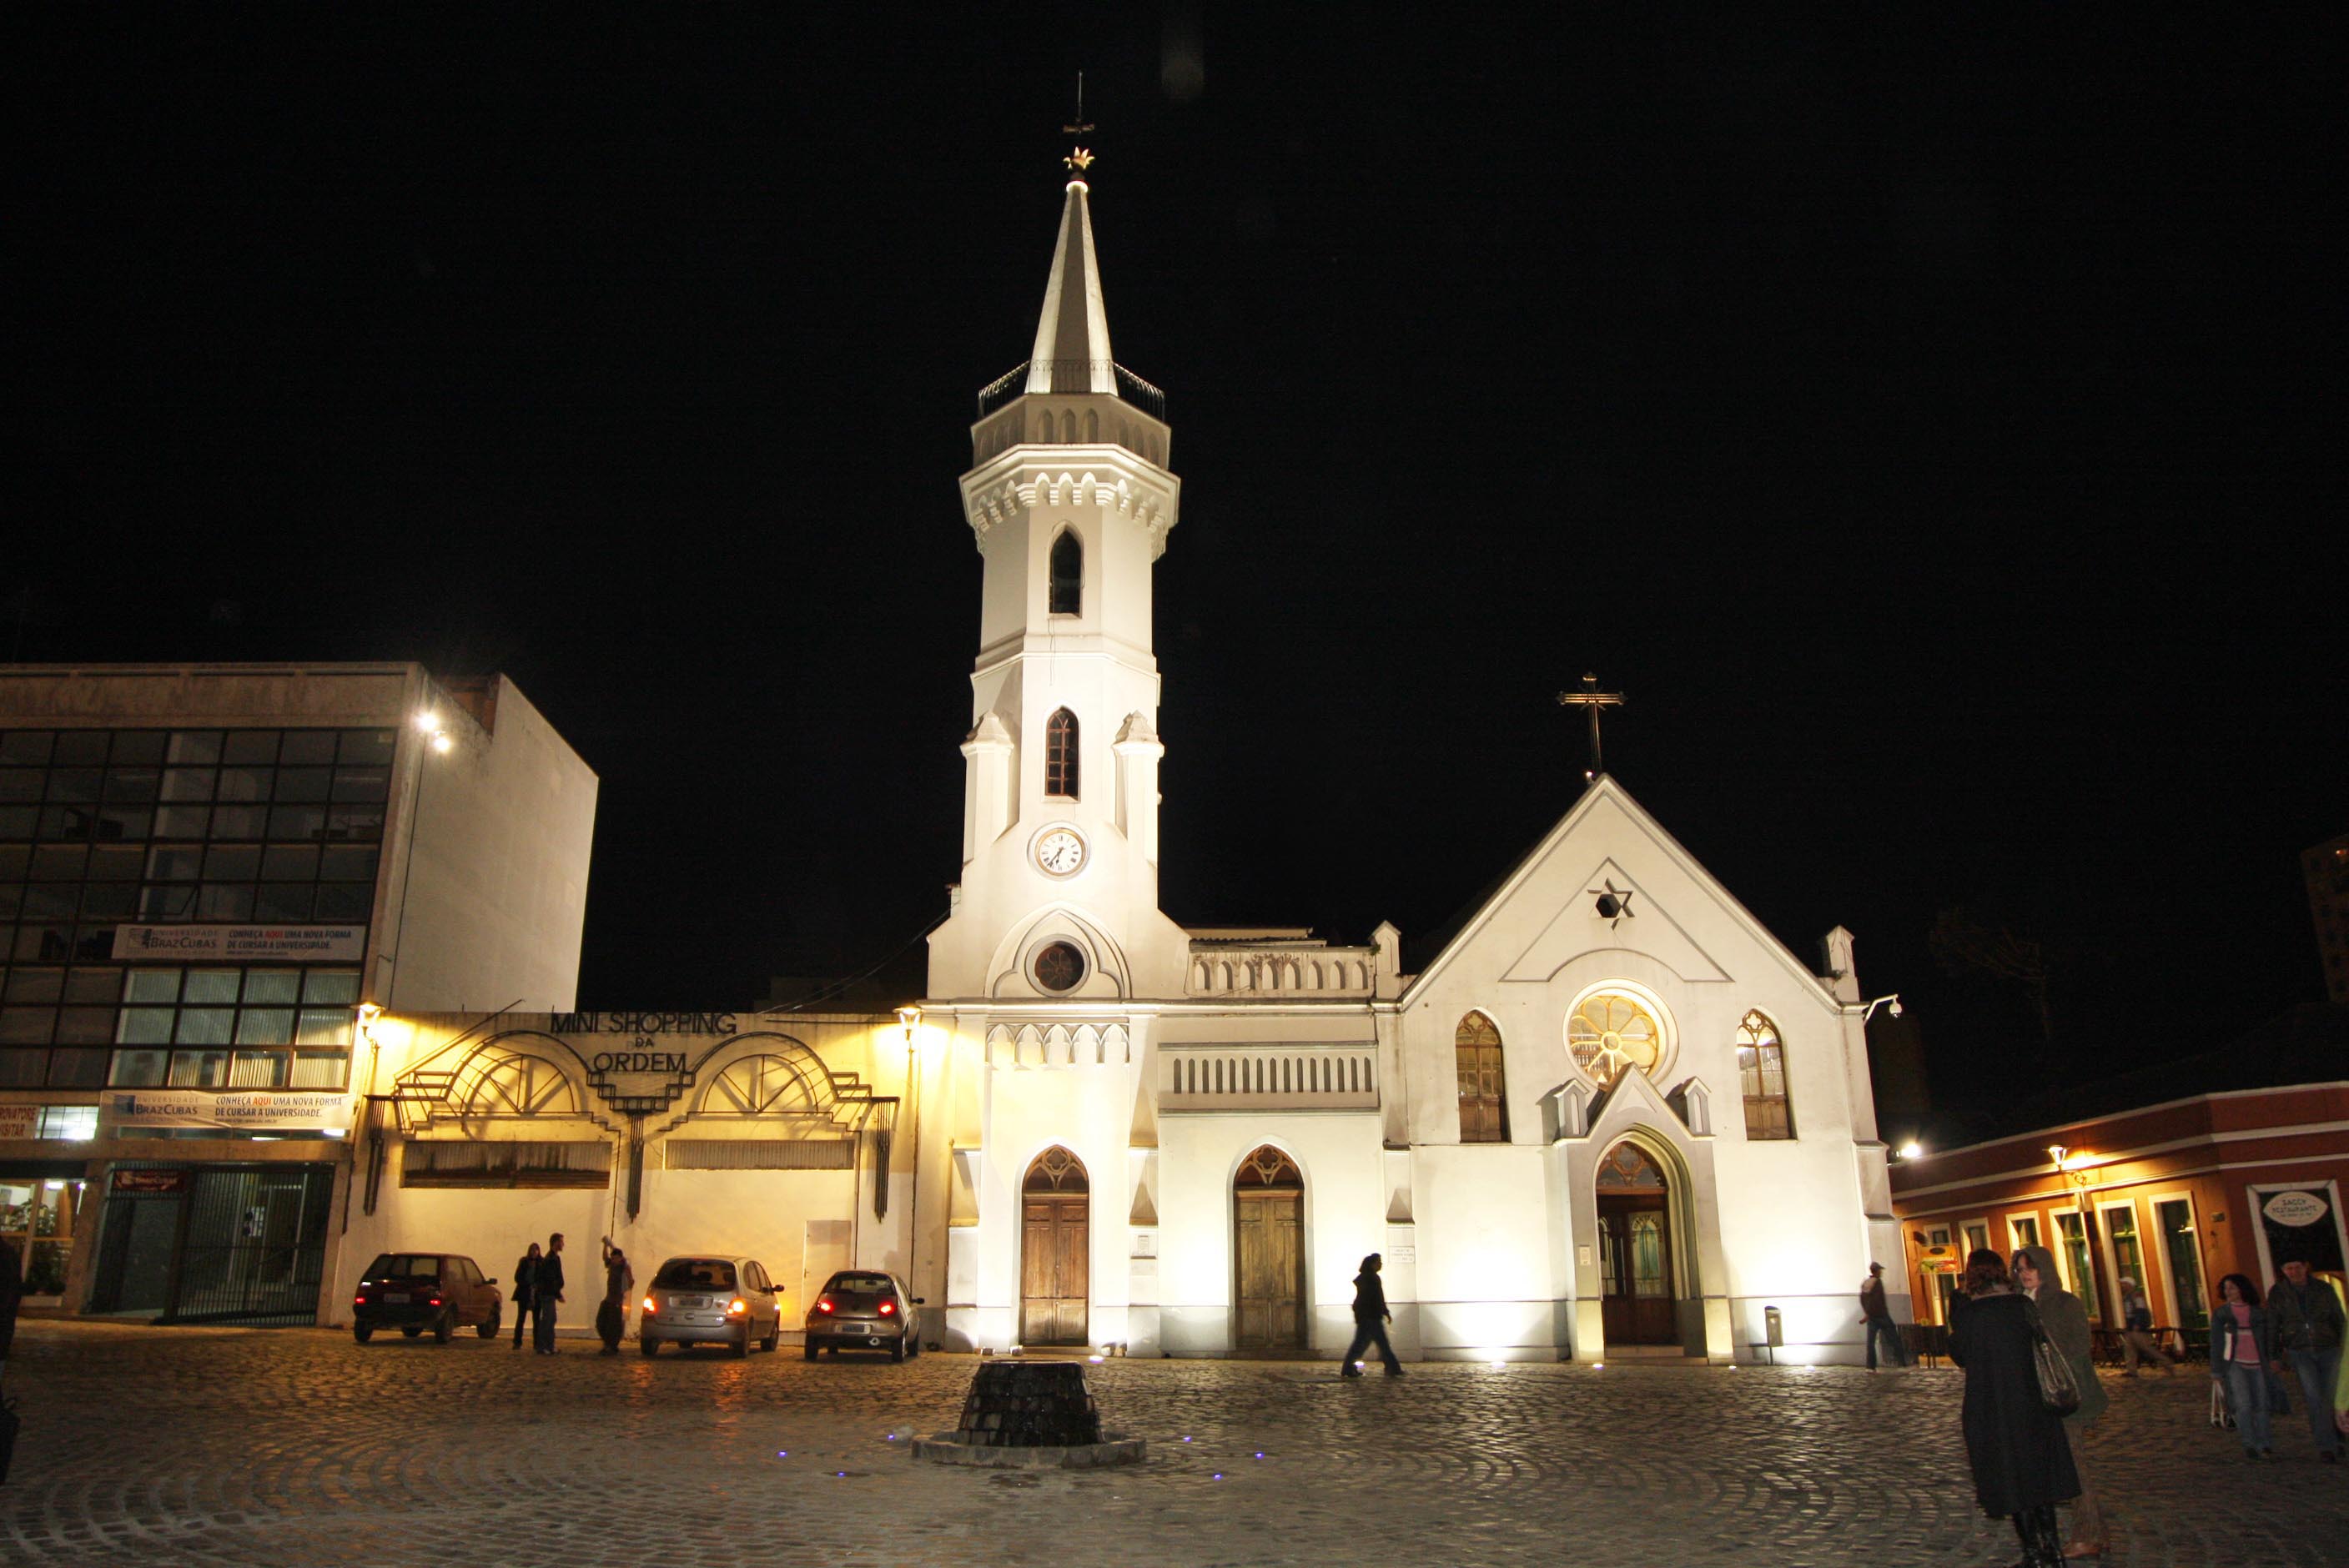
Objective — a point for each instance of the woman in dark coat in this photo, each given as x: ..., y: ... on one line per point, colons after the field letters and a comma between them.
x: 2021, y: 1460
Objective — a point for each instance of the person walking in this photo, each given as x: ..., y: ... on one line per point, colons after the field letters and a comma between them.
x: 525, y: 1280
x: 546, y: 1295
x: 612, y: 1316
x: 1370, y: 1320
x: 2065, y: 1319
x: 2021, y: 1460
x: 2306, y: 1318
x: 2136, y: 1332
x: 2242, y: 1344
x: 1877, y: 1317
x: 12, y: 1296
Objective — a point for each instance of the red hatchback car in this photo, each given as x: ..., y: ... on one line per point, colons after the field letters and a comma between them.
x: 413, y: 1292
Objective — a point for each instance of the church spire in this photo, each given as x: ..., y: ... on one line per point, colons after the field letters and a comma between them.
x: 1072, y: 335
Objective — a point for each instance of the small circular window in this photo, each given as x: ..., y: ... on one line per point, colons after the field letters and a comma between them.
x: 1611, y: 1033
x: 1058, y: 967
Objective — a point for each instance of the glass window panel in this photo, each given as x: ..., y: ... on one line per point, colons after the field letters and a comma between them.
x: 26, y: 746
x: 199, y: 1069
x: 18, y: 822
x: 325, y: 1027
x: 344, y: 901
x: 182, y: 821
x: 73, y: 1069
x: 20, y: 783
x: 225, y: 902
x: 117, y: 862
x: 240, y: 822
x: 363, y: 784
x: 2175, y: 1220
x: 347, y: 862
x: 187, y: 784
x: 51, y: 901
x: 14, y: 861
x: 139, y: 745
x: 290, y: 863
x: 12, y: 900
x: 36, y: 984
x: 59, y: 862
x: 250, y: 746
x: 94, y: 944
x: 79, y: 745
x: 297, y: 823
x: 85, y: 1025
x: 195, y: 746
x: 23, y: 1070
x: 144, y: 1026
x: 110, y: 901
x: 272, y: 987
x: 368, y: 746
x: 303, y: 783
x: 117, y: 824
x: 67, y: 823
x: 244, y: 783
x: 41, y: 943
x: 212, y: 985
x: 204, y: 1027
x: 151, y: 986
x: 355, y: 823
x: 258, y: 1069
x: 138, y: 1069
x: 27, y: 1025
x: 174, y: 901
x: 304, y: 746
x: 331, y: 985
x: 320, y: 1069
x: 93, y: 986
x: 76, y: 784
x: 265, y: 1026
x: 232, y: 862
x: 282, y: 900
x: 137, y: 786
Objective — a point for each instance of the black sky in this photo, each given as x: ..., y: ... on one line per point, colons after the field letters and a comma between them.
x: 1925, y: 419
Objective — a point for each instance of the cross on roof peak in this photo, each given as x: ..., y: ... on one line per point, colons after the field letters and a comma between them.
x: 1592, y: 699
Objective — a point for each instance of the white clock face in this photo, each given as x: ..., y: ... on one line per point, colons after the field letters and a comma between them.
x: 1060, y: 851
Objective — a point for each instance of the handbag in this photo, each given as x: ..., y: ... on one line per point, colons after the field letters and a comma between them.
x: 2057, y: 1389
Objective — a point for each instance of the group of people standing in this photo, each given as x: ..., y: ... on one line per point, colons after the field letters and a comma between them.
x: 538, y: 1292
x: 2024, y: 1431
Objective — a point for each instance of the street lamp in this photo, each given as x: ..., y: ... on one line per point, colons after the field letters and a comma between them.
x: 911, y: 1018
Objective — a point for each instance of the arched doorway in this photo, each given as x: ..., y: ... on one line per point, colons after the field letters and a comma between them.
x: 1635, y: 1249
x: 1054, y: 1256
x: 1269, y: 1253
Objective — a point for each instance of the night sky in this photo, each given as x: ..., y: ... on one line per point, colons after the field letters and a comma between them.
x: 1925, y: 421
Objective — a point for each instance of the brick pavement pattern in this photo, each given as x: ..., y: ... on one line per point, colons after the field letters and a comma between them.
x: 297, y: 1447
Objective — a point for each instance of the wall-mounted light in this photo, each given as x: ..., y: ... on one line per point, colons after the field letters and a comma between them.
x: 1912, y: 1150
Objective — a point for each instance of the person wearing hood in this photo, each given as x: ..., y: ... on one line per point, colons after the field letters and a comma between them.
x: 2021, y: 1460
x: 1370, y: 1320
x: 2066, y: 1318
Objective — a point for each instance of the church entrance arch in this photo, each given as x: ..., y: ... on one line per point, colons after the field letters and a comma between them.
x: 1055, y: 1263
x: 1268, y: 1254
x: 1637, y: 1298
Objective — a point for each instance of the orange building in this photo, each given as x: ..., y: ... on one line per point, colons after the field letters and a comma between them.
x: 2175, y: 1195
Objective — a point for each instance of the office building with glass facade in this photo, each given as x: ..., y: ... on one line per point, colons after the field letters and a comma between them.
x: 208, y: 874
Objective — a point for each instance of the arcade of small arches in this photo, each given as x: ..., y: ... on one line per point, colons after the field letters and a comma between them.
x: 1278, y: 973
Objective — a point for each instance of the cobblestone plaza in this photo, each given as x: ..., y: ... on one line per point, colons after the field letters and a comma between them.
x: 297, y: 1446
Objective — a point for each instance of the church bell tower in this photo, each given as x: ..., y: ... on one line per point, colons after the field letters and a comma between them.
x: 1071, y: 500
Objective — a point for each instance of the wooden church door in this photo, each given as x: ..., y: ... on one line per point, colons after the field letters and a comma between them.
x: 1055, y: 1256
x: 1269, y: 1253
x: 1637, y: 1305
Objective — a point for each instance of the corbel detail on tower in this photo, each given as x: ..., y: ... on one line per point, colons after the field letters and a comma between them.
x: 994, y: 500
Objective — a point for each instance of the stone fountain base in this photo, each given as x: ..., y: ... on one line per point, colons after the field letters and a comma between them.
x: 1029, y: 1415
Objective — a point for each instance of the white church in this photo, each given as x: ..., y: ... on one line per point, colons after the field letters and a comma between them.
x: 1613, y: 1117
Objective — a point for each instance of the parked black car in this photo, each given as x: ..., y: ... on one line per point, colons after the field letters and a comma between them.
x: 413, y: 1292
x: 861, y: 1310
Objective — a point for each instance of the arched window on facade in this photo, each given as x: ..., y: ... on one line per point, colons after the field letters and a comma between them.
x: 1060, y: 754
x: 1068, y: 586
x: 1762, y: 1068
x: 1484, y: 1092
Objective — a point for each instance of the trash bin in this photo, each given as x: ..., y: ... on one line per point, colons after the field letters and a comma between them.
x: 1773, y: 1332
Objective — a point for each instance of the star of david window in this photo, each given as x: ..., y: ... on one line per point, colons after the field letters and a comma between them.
x: 1611, y: 1033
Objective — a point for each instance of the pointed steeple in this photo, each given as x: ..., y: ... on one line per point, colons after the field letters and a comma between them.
x: 1072, y: 335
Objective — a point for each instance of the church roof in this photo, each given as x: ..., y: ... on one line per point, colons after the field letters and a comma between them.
x: 1072, y: 335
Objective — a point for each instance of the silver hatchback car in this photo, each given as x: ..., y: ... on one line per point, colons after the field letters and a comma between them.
x: 708, y: 1300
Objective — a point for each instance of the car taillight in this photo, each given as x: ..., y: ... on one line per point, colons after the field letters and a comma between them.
x: 648, y: 1305
x: 736, y: 1307
x: 823, y: 1303
x: 434, y: 1302
x: 887, y: 1307
x: 359, y: 1301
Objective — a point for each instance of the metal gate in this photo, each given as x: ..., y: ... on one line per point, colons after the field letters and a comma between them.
x: 256, y: 1246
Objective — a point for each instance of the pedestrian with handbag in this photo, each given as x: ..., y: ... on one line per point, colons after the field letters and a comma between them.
x: 2065, y: 1319
x: 2242, y: 1344
x: 2015, y: 1445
